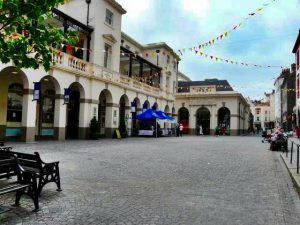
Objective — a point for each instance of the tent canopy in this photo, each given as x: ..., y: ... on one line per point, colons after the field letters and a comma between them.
x: 150, y: 114
x: 166, y: 117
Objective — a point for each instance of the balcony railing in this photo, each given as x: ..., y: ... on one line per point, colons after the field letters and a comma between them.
x: 70, y: 63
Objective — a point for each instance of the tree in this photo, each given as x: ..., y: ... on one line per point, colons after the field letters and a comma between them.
x: 25, y: 37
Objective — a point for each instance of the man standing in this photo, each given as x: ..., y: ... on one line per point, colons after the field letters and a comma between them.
x: 181, y: 129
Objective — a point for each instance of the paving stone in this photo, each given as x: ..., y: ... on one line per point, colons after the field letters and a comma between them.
x: 164, y: 181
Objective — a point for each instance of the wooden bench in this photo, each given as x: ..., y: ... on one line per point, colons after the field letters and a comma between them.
x: 26, y: 182
x: 45, y: 172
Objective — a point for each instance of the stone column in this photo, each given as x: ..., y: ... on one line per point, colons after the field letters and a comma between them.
x: 111, y: 119
x: 28, y: 118
x: 128, y: 119
x: 60, y: 119
x: 84, y: 120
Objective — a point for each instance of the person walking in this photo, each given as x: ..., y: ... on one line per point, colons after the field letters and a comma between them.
x: 180, y: 129
x: 200, y: 130
x: 197, y: 130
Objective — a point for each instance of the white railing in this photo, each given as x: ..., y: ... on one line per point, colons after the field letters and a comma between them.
x: 65, y: 61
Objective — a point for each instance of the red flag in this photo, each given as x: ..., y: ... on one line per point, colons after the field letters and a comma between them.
x: 69, y: 47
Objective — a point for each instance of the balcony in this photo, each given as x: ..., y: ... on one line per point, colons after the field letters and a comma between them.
x: 80, y: 67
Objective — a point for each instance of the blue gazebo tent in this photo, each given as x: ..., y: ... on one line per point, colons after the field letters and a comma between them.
x: 165, y: 117
x: 149, y: 114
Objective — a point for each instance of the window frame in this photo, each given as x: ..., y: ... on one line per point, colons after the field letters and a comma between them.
x: 109, y: 17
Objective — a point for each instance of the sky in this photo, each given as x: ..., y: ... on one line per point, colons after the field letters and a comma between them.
x: 265, y: 39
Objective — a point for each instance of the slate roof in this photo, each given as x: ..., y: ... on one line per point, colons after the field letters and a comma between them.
x: 221, y: 85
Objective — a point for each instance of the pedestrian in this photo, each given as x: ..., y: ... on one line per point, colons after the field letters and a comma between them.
x: 180, y: 129
x: 200, y: 130
x: 197, y: 129
x: 177, y: 129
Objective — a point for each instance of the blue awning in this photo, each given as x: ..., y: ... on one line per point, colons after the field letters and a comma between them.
x: 149, y: 114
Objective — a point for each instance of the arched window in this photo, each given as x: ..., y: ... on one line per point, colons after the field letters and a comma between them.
x: 15, y: 102
x: 48, y: 106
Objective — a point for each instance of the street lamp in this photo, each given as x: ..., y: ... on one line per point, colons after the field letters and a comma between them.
x: 88, y: 11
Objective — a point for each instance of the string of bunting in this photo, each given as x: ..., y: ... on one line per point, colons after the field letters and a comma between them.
x: 226, y: 33
x: 229, y: 61
x: 226, y: 87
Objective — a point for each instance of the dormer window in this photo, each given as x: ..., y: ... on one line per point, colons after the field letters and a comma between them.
x: 109, y: 17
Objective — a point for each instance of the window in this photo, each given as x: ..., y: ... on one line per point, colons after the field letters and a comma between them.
x: 266, y: 119
x: 107, y: 56
x: 109, y: 17
x: 14, y: 102
x: 48, y: 106
x: 168, y: 59
x: 257, y: 118
x: 266, y: 112
x: 257, y: 111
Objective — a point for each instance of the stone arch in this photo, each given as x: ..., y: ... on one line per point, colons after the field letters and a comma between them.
x: 155, y: 106
x: 123, y: 110
x: 146, y: 105
x: 224, y: 119
x: 183, y: 118
x: 135, y: 110
x: 45, y: 110
x: 105, y: 98
x: 167, y: 110
x: 73, y: 110
x: 13, y: 85
x: 203, y: 120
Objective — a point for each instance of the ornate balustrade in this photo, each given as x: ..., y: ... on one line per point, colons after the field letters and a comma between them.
x: 70, y: 63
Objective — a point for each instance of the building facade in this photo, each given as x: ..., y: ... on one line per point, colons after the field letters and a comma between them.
x: 99, y: 77
x: 211, y: 103
x: 111, y: 77
x: 296, y: 51
x: 263, y: 112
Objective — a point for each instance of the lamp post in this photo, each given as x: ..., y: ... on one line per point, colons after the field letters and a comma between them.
x: 88, y: 11
x: 157, y: 56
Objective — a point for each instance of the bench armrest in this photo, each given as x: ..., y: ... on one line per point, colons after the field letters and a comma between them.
x: 44, y: 163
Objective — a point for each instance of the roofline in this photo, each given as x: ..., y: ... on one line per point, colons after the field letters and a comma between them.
x: 150, y: 46
x: 161, y: 45
x: 126, y: 36
x: 297, y: 43
x: 223, y: 94
x: 117, y: 6
x: 184, y: 76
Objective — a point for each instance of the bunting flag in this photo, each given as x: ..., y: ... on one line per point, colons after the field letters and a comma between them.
x: 217, y: 58
x: 226, y: 33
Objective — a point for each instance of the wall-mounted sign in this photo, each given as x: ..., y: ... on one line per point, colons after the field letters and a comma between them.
x: 133, y: 107
x: 36, y: 91
x: 67, y: 94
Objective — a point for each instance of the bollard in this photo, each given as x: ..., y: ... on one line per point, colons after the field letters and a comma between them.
x: 297, y: 159
x: 291, y: 161
x: 288, y: 149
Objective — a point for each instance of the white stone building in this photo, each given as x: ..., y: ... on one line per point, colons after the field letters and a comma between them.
x: 264, y: 112
x: 93, y: 83
x: 211, y: 103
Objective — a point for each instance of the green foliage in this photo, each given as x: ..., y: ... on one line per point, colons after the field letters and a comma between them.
x: 25, y: 37
x: 94, y: 129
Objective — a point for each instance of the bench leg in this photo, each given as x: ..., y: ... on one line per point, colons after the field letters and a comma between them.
x: 58, y: 179
x: 18, y: 197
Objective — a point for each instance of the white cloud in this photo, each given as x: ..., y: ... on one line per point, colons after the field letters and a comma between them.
x: 135, y: 8
x: 198, y: 8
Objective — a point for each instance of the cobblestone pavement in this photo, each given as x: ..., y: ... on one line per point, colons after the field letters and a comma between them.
x: 165, y: 181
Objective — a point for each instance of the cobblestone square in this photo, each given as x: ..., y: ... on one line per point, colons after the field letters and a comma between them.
x: 165, y: 181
